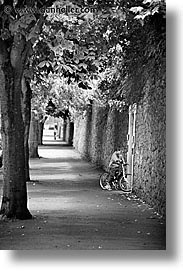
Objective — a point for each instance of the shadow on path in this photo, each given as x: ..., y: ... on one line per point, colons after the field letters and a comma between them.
x: 71, y: 212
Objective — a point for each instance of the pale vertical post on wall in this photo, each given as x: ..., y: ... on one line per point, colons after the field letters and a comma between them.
x: 130, y: 141
x: 133, y: 140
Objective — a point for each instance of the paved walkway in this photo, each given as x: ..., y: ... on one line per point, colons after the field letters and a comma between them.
x: 72, y: 212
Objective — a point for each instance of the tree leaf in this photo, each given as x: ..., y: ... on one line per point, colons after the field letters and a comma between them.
x: 42, y: 64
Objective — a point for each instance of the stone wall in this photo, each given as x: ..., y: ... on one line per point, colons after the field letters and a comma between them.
x: 82, y: 130
x: 150, y: 146
x: 101, y: 130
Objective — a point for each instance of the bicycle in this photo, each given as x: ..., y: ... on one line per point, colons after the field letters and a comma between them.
x: 118, y: 179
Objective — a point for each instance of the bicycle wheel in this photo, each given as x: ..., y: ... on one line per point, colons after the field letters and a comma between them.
x: 124, y: 185
x: 104, y: 180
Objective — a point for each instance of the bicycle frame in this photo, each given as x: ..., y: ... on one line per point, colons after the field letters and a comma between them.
x: 116, y: 178
x: 120, y: 173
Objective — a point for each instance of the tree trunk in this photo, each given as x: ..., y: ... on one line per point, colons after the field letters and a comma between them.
x: 64, y: 129
x: 40, y: 137
x: 59, y: 131
x: 69, y: 132
x: 34, y: 137
x: 26, y: 112
x: 14, y: 201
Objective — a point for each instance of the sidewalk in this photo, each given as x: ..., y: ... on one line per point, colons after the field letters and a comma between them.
x: 72, y: 212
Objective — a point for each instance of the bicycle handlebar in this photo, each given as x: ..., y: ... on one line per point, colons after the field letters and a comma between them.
x: 121, y: 161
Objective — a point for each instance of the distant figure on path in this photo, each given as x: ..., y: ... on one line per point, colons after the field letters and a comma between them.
x: 55, y: 132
